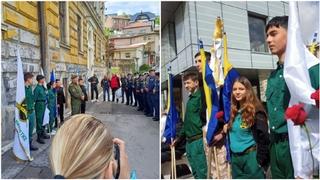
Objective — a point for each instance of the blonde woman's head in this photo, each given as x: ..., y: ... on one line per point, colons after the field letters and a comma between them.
x: 82, y: 148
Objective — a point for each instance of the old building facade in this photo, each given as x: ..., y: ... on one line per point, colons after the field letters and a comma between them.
x: 136, y: 44
x: 66, y: 37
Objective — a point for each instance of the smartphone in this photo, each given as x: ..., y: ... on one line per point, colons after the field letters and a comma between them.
x: 117, y: 158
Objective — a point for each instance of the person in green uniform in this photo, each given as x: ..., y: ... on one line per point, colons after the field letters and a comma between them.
x: 192, y: 128
x: 40, y: 98
x: 76, y: 95
x: 30, y: 106
x: 278, y: 97
x: 248, y: 132
x: 52, y: 105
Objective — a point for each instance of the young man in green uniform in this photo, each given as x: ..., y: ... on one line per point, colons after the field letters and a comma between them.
x: 76, y: 95
x: 192, y: 128
x: 30, y: 106
x: 278, y: 97
x: 40, y: 98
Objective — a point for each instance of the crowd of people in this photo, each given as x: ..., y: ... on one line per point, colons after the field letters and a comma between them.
x: 258, y: 138
x: 139, y: 90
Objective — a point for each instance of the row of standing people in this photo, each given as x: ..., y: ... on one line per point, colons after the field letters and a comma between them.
x: 258, y: 138
x: 37, y: 100
x: 140, y: 90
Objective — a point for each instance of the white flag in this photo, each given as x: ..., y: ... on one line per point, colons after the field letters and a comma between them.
x: 21, y: 146
x: 46, y: 117
x: 297, y: 61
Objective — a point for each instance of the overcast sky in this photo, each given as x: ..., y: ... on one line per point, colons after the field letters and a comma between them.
x: 132, y: 7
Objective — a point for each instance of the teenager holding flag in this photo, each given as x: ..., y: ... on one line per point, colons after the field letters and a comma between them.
x: 40, y: 97
x: 248, y: 130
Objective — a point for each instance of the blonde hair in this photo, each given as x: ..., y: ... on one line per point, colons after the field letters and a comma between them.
x: 82, y: 148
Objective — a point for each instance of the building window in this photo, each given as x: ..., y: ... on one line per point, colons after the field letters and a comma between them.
x: 127, y: 55
x: 79, y: 28
x: 257, y: 26
x: 63, y: 21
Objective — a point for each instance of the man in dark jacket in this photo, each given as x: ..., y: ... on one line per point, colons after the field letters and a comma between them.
x: 84, y: 91
x: 105, y: 86
x: 123, y: 86
x: 129, y: 89
x: 61, y: 100
x: 94, y: 82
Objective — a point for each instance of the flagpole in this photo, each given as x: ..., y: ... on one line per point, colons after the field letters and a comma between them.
x: 216, y: 161
x: 209, y: 162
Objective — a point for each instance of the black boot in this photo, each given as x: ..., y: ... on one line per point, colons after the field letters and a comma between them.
x: 39, y: 140
x: 45, y: 136
x: 32, y: 147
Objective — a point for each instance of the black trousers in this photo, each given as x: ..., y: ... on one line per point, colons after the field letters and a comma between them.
x: 113, y: 94
x: 83, y: 108
x: 60, y: 112
x: 135, y: 97
x: 129, y: 97
x: 94, y: 89
x: 140, y: 100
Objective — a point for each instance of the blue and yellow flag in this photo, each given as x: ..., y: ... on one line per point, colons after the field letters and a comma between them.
x: 230, y: 75
x: 211, y: 95
x: 172, y: 117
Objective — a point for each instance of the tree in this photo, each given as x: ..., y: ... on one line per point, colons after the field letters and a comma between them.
x: 157, y: 20
x: 144, y: 68
x: 108, y: 32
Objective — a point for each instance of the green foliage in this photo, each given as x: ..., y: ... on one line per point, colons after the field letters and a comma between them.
x: 157, y: 20
x: 144, y: 68
x: 108, y: 32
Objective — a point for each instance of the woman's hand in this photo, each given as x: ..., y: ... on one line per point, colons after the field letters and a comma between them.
x: 124, y: 163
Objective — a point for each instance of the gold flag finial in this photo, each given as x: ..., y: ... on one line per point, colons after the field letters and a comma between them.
x: 218, y: 28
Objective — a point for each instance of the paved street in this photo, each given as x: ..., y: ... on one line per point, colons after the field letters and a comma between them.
x: 140, y: 133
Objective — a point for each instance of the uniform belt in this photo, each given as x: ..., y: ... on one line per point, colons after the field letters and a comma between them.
x: 40, y: 100
x: 248, y: 150
x: 193, y: 138
x: 279, y: 137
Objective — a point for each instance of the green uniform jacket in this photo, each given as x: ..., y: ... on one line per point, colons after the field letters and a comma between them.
x: 278, y: 97
x: 40, y: 97
x: 76, y: 93
x: 192, y: 125
x: 29, y: 99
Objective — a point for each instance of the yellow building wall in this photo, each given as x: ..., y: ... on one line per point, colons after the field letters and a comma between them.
x: 22, y: 15
x: 71, y: 55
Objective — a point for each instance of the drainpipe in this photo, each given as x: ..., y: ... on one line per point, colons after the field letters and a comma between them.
x: 45, y: 64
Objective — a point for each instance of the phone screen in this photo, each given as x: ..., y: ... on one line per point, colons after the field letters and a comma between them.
x: 117, y: 158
